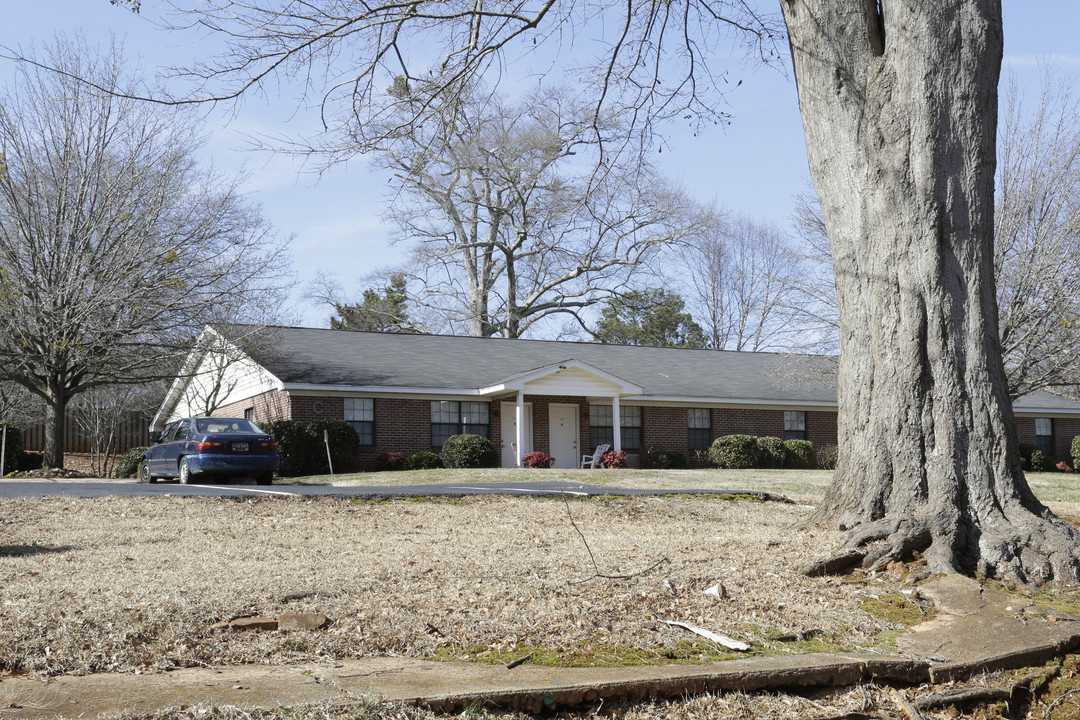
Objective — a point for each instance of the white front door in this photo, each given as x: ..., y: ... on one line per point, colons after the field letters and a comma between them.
x: 508, y: 411
x: 563, y: 432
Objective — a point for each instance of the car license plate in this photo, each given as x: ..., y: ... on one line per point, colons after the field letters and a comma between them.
x: 240, y: 447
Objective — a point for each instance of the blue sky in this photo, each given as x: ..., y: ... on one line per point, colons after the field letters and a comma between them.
x: 754, y: 165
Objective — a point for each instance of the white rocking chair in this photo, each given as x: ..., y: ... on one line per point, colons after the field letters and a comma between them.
x: 596, y: 458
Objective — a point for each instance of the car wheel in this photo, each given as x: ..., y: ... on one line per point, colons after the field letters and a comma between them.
x: 144, y: 473
x: 265, y: 479
x: 185, y: 472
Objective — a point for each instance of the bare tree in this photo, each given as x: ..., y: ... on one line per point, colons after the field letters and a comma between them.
x: 815, y: 285
x: 1037, y: 239
x: 115, y: 248
x: 101, y: 413
x: 17, y: 405
x: 513, y: 217
x: 899, y: 106
x: 741, y: 277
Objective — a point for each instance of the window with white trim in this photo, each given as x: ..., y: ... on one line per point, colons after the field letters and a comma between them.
x: 1044, y: 435
x: 453, y: 417
x: 794, y: 425
x: 360, y: 413
x: 602, y: 432
x: 699, y: 428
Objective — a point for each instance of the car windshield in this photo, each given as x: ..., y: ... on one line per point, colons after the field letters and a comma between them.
x: 225, y: 425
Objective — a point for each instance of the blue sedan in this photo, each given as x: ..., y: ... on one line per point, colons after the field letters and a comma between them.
x: 194, y: 448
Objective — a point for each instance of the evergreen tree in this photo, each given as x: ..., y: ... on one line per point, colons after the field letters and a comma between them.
x: 652, y: 317
x: 379, y: 312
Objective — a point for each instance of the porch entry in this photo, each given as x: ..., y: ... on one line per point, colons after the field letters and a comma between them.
x: 563, y: 431
x: 508, y: 415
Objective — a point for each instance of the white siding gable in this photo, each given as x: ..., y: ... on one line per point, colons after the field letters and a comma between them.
x: 571, y: 381
x: 221, y: 380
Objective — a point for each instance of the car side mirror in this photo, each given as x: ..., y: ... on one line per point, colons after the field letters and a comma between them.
x: 155, y: 438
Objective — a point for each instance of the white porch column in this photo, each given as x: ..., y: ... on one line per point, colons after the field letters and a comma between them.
x: 616, y: 425
x: 519, y: 415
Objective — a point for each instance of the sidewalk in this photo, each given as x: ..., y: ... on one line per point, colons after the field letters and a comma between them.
x: 975, y: 630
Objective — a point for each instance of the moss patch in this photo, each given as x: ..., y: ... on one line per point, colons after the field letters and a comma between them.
x: 590, y: 654
x: 893, y: 608
x: 1061, y: 599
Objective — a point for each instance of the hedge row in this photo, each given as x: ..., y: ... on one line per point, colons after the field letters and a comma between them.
x: 737, y: 452
x: 459, y: 451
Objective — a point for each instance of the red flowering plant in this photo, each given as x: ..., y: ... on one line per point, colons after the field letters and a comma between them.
x: 391, y: 461
x: 614, y: 459
x: 538, y: 459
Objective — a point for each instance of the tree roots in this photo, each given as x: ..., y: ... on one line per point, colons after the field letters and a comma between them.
x: 1024, y: 549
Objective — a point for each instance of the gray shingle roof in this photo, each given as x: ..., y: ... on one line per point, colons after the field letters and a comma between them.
x: 344, y: 358
x: 441, y: 362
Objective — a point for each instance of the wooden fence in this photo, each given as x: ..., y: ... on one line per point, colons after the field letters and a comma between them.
x: 133, y: 431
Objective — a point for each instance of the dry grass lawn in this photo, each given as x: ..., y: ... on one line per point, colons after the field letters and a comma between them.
x: 803, y: 485
x: 133, y: 585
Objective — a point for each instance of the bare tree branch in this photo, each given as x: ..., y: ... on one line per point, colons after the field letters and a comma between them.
x: 116, y: 247
x: 513, y: 219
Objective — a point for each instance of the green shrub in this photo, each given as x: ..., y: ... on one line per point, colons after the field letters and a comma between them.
x: 343, y: 444
x: 423, y: 460
x: 13, y: 449
x: 128, y: 463
x: 1075, y: 452
x: 469, y: 451
x: 296, y: 446
x: 800, y: 454
x: 653, y: 459
x: 772, y: 452
x: 1039, y: 462
x: 735, y: 452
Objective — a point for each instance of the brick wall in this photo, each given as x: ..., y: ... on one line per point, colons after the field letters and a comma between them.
x: 267, y: 406
x: 405, y: 425
x: 820, y: 427
x: 741, y: 421
x: 664, y: 428
x: 1064, y: 432
x: 401, y: 425
x: 1065, y: 429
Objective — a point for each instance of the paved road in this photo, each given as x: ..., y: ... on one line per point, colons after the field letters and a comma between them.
x: 131, y: 488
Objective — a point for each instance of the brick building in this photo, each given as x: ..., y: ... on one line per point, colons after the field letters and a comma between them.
x: 406, y: 393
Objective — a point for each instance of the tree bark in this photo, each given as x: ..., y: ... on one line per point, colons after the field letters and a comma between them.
x: 55, y: 420
x: 899, y: 107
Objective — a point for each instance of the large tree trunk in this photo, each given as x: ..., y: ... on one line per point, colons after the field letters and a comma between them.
x: 55, y: 420
x: 899, y: 108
